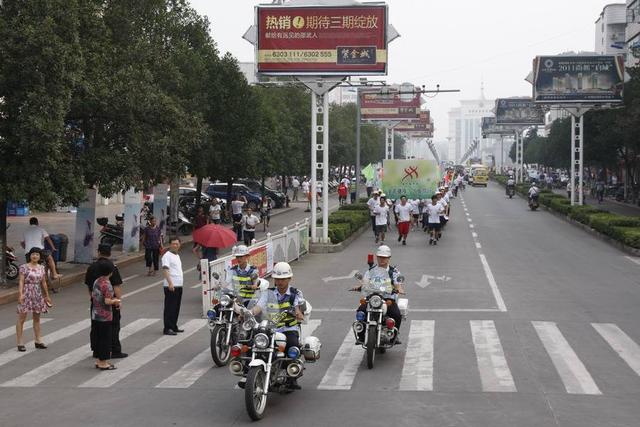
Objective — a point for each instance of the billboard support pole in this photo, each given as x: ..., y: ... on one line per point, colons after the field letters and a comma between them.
x: 314, y: 165
x: 577, y: 153
x: 501, y: 153
x: 521, y: 151
x: 517, y: 158
x: 325, y: 168
x: 358, y: 161
x: 393, y: 143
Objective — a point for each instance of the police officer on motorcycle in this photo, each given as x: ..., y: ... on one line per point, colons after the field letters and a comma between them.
x: 288, y: 307
x: 511, y: 184
x: 243, y: 276
x: 383, y: 255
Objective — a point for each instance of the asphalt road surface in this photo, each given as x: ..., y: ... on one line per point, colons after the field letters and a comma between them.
x: 516, y: 319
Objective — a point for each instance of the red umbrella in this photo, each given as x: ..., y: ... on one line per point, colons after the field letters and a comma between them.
x: 214, y: 236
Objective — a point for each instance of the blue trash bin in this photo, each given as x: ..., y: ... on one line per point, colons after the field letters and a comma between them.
x: 57, y: 240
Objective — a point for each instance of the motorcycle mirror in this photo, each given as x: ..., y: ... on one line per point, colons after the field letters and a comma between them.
x: 264, y: 285
x: 358, y: 276
x: 400, y: 279
x: 254, y: 276
x: 215, y: 275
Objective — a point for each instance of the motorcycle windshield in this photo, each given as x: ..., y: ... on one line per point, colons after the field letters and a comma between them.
x: 377, y: 280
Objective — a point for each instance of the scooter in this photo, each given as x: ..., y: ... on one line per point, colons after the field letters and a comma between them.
x: 11, y: 263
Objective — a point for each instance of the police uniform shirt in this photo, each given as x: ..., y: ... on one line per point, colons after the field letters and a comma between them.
x: 264, y: 300
x: 92, y: 274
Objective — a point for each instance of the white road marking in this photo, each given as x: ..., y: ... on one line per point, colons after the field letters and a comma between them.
x: 416, y: 310
x: 11, y: 330
x: 334, y: 279
x: 466, y: 213
x: 154, y: 284
x: 189, y: 373
x: 309, y: 328
x: 417, y: 371
x: 572, y: 372
x: 197, y: 285
x: 343, y: 368
x: 60, y: 334
x: 43, y: 372
x: 469, y: 219
x: 492, y: 365
x: 492, y: 283
x: 130, y: 277
x: 478, y: 245
x: 635, y: 260
x: 471, y: 226
x: 143, y: 356
x: 474, y: 234
x: 626, y: 348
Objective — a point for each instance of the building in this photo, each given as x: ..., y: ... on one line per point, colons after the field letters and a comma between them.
x: 249, y: 71
x: 632, y: 32
x: 343, y: 95
x: 610, y: 30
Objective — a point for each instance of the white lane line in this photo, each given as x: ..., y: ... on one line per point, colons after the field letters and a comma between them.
x: 492, y: 365
x: 143, y: 356
x: 343, y: 368
x: 154, y: 284
x: 471, y: 226
x: 572, y: 372
x: 309, y: 328
x: 474, y: 234
x: 492, y: 283
x: 417, y: 310
x: 43, y: 372
x: 478, y: 245
x: 60, y: 334
x: 417, y: 372
x: 130, y: 277
x: 7, y: 332
x: 635, y: 260
x: 197, y: 285
x: 467, y: 213
x: 469, y: 219
x: 626, y: 348
x: 186, y: 376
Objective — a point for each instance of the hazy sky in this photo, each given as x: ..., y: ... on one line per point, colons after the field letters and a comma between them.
x: 454, y: 43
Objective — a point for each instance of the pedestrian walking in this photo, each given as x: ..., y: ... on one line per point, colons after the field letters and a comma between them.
x: 306, y: 189
x: 352, y: 190
x: 369, y: 185
x: 432, y: 217
x: 237, y: 206
x: 372, y: 203
x: 214, y: 212
x: 265, y: 212
x: 115, y: 280
x: 404, y: 211
x: 152, y: 243
x: 342, y: 194
x: 103, y: 300
x: 172, y: 286
x: 249, y: 222
x: 296, y: 186
x: 200, y: 220
x: 33, y: 297
x: 381, y: 213
x: 34, y: 237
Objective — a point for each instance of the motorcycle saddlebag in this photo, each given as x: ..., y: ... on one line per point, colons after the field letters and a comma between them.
x: 311, y: 349
x: 403, y: 305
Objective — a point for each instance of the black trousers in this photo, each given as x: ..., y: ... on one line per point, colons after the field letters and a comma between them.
x: 393, y: 311
x: 172, y: 301
x: 249, y: 236
x: 293, y: 339
x: 116, y: 347
x: 102, y: 334
x: 373, y: 225
x: 237, y: 227
x: 152, y: 257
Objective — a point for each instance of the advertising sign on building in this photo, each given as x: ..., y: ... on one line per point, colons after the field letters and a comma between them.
x: 416, y: 179
x: 424, y: 125
x: 518, y: 111
x: 578, y: 79
x: 377, y: 106
x: 322, y: 40
x: 489, y: 127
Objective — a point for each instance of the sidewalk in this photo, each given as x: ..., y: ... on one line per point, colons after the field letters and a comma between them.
x: 608, y: 204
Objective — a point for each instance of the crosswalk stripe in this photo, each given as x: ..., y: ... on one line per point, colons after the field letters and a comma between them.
x: 574, y: 375
x: 11, y: 330
x: 626, y: 348
x: 343, y: 368
x: 494, y: 370
x: 60, y: 334
x: 43, y: 372
x: 310, y: 327
x: 189, y: 373
x: 417, y: 372
x: 143, y: 356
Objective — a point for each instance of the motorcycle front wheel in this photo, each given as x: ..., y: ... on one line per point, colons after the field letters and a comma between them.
x: 255, y: 397
x: 371, y: 346
x: 12, y: 271
x: 219, y: 350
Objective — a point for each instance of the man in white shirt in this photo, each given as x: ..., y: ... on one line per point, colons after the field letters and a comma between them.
x: 381, y: 212
x: 249, y: 222
x: 372, y: 203
x: 296, y: 186
x: 214, y: 211
x: 404, y: 211
x: 236, y: 213
x: 369, y: 185
x: 34, y: 237
x: 306, y: 188
x: 172, y: 284
x: 432, y: 212
x: 346, y: 181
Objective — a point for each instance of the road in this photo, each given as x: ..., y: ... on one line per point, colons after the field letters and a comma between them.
x: 516, y: 319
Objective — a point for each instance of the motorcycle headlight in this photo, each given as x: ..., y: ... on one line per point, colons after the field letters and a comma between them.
x: 225, y: 300
x: 261, y: 341
x: 248, y: 324
x: 375, y: 301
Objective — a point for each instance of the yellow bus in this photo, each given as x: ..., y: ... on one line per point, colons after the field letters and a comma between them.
x: 480, y: 175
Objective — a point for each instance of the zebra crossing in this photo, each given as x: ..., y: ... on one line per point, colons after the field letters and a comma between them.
x: 342, y: 362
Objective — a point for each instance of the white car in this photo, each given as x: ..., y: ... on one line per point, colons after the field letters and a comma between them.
x: 533, y: 174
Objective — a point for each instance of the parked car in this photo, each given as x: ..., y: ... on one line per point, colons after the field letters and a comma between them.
x: 277, y: 197
x: 219, y: 190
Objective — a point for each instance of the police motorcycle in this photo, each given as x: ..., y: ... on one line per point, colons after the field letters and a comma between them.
x: 380, y: 332
x: 265, y: 362
x: 224, y: 322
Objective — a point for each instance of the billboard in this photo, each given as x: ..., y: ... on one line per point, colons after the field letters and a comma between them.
x: 578, y: 79
x: 377, y: 106
x: 416, y: 179
x: 422, y: 126
x: 489, y: 127
x: 322, y: 40
x: 518, y: 111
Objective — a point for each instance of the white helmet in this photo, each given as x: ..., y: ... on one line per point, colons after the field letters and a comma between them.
x: 241, y: 250
x: 282, y: 270
x: 384, y: 251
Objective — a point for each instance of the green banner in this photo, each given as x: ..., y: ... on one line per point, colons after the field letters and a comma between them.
x: 416, y: 179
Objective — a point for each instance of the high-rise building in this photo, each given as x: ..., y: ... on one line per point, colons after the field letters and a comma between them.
x: 610, y: 30
x: 632, y: 33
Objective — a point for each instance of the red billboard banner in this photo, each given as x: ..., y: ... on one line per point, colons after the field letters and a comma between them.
x: 391, y: 106
x: 258, y: 257
x: 423, y: 125
x: 340, y: 40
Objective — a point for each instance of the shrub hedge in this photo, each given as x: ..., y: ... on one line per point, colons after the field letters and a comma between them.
x: 346, y: 221
x: 625, y: 229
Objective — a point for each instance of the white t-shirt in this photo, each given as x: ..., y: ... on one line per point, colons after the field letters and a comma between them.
x: 305, y: 186
x: 345, y: 181
x: 372, y: 203
x: 433, y: 212
x: 404, y: 212
x: 249, y: 222
x: 34, y: 237
x: 173, y: 262
x: 214, y: 212
x: 295, y: 183
x: 236, y: 207
x: 382, y: 214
